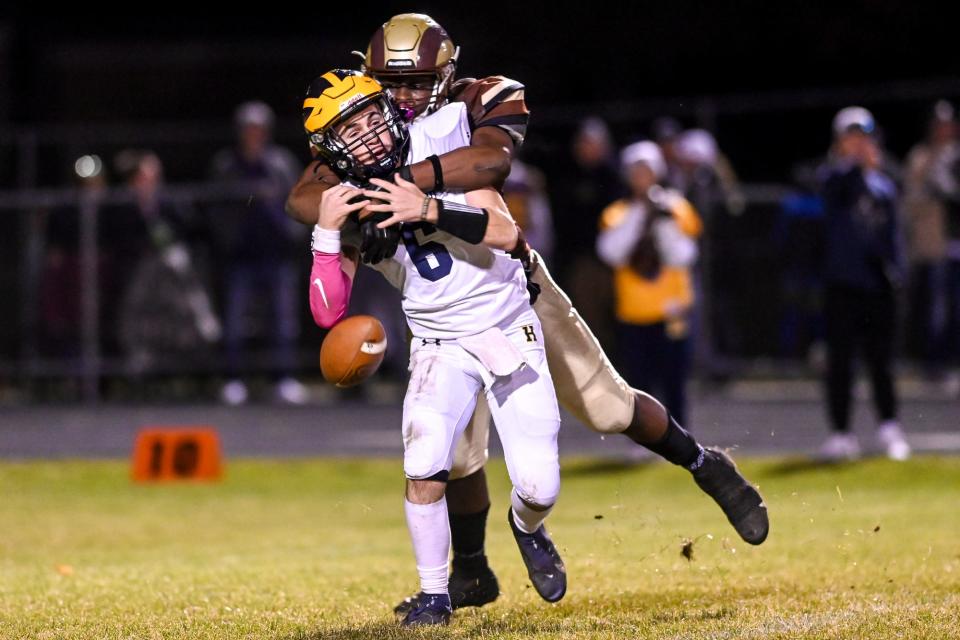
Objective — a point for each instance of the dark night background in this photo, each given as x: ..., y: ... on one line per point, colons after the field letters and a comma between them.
x: 765, y: 77
x: 99, y: 71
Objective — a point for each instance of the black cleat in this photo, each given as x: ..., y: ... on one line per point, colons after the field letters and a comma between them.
x: 472, y: 589
x: 431, y: 609
x: 740, y: 500
x: 544, y: 565
x: 467, y: 589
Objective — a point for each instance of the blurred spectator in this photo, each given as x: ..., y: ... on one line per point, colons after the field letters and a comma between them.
x: 123, y: 238
x: 944, y: 181
x: 864, y: 268
x: 666, y: 132
x: 648, y: 238
x: 798, y: 239
x: 925, y: 207
x: 709, y: 182
x: 166, y: 310
x: 579, y: 194
x: 706, y: 173
x: 61, y: 288
x: 526, y: 198
x: 258, y: 242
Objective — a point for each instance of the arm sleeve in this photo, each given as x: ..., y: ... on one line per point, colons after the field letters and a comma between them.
x: 330, y: 289
x: 495, y: 102
x: 677, y: 249
x: 619, y: 233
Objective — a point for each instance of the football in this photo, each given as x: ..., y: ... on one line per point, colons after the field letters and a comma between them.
x: 352, y: 350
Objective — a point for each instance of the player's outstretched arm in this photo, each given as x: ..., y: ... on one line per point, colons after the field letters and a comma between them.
x: 334, y: 266
x: 485, y: 163
x: 303, y: 202
x: 331, y: 281
x: 502, y: 231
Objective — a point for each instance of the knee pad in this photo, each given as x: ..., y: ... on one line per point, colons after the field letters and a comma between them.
x: 540, y: 486
x: 607, y: 403
x: 426, y: 446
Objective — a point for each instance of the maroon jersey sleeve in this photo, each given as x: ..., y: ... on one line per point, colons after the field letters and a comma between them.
x: 494, y: 101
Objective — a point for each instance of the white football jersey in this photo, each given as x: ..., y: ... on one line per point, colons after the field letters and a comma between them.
x: 451, y: 288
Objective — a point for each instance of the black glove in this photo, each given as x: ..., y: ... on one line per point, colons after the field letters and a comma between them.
x: 532, y: 288
x: 378, y: 244
x: 521, y: 252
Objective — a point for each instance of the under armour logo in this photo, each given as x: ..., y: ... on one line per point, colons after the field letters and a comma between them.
x: 529, y: 332
x: 425, y: 341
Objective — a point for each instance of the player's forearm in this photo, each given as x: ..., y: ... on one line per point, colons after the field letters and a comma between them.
x: 303, y: 201
x: 501, y: 230
x: 330, y: 284
x: 464, y: 169
x: 483, y: 219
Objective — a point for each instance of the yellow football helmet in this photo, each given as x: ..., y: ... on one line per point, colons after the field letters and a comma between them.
x: 413, y: 44
x: 335, y: 97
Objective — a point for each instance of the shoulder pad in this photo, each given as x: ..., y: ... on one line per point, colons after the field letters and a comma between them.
x: 496, y: 101
x: 458, y: 86
x: 443, y: 121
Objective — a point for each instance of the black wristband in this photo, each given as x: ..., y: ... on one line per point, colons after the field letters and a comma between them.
x: 405, y: 173
x: 437, y: 173
x: 461, y: 220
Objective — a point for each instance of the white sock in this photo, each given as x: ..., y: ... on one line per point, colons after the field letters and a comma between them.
x: 526, y: 519
x: 429, y: 527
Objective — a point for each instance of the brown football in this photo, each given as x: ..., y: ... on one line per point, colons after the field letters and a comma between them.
x: 352, y: 350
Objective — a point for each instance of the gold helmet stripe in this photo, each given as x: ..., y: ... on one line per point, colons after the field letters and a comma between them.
x: 409, y: 43
x: 337, y: 98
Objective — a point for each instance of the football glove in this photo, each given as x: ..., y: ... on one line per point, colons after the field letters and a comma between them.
x: 378, y: 244
x: 521, y: 252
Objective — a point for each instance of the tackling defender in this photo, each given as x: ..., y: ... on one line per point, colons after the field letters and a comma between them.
x: 468, y: 308
x: 413, y: 56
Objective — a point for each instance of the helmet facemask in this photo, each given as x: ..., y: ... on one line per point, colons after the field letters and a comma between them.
x: 364, y: 155
x: 436, y: 83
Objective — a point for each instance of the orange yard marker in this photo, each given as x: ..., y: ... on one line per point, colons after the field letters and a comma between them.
x: 176, y: 453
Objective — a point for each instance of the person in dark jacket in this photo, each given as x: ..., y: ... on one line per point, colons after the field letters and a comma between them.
x: 258, y: 245
x: 864, y: 267
x: 580, y: 190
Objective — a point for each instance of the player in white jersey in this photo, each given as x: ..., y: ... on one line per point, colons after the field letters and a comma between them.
x: 467, y: 306
x: 414, y: 58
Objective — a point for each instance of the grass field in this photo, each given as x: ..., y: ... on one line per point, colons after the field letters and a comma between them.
x: 318, y: 549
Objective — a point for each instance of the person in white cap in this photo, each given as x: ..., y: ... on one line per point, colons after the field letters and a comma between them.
x: 708, y: 180
x: 864, y: 268
x: 649, y: 239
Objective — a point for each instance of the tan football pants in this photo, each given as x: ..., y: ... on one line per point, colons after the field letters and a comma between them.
x: 587, y: 385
